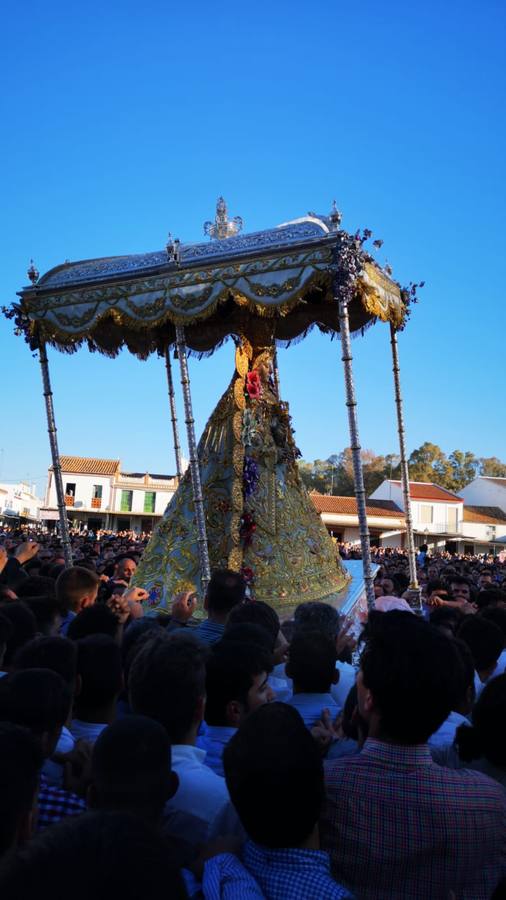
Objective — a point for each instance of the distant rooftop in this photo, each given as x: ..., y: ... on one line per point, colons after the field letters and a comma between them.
x: 427, y: 490
x: 347, y: 506
x: 85, y: 465
x: 488, y: 515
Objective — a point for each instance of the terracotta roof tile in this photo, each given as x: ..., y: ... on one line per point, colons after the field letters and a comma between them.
x: 347, y: 506
x: 84, y: 465
x: 484, y: 514
x: 419, y: 490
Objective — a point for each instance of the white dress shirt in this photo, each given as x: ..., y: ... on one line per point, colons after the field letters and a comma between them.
x: 201, y: 808
x: 87, y: 730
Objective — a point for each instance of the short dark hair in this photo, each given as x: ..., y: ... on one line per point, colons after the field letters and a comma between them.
x: 45, y: 609
x: 99, y: 665
x: 497, y: 615
x: 36, y: 586
x: 484, y: 639
x: 24, y: 627
x: 37, y: 699
x: 167, y: 679
x: 257, y: 613
x: 130, y: 767
x: 55, y: 653
x: 248, y: 633
x: 96, y: 619
x: 274, y: 774
x: 100, y: 852
x: 317, y: 616
x: 487, y: 735
x: 231, y: 668
x: 412, y: 670
x: 72, y: 584
x: 490, y: 597
x: 225, y: 590
x: 19, y: 777
x: 449, y: 617
x: 312, y: 661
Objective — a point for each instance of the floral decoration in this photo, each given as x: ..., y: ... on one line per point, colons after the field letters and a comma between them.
x: 247, y: 529
x: 251, y: 476
x: 249, y: 428
x: 254, y: 385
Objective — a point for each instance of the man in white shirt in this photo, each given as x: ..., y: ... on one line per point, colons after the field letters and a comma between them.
x: 168, y: 683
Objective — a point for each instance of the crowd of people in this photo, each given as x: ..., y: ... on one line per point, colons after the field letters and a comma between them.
x: 231, y: 755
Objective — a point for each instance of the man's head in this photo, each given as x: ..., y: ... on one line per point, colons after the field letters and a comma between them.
x: 39, y: 700
x: 23, y: 628
x: 19, y: 780
x: 312, y: 663
x: 485, y: 579
x: 274, y: 774
x: 96, y: 619
x: 460, y: 589
x: 317, y: 616
x: 167, y: 682
x: 407, y: 679
x: 485, y: 641
x: 47, y: 613
x: 55, y: 653
x: 124, y: 569
x: 491, y: 597
x: 101, y: 676
x: 76, y: 588
x: 98, y: 854
x: 225, y: 590
x: 130, y: 768
x: 236, y: 682
x: 36, y: 586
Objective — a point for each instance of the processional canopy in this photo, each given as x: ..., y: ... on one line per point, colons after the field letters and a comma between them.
x: 285, y: 273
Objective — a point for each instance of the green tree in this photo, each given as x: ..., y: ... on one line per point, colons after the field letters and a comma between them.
x: 464, y: 467
x: 430, y: 463
x: 492, y: 466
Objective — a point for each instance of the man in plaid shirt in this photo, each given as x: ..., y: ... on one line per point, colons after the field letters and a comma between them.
x: 395, y: 824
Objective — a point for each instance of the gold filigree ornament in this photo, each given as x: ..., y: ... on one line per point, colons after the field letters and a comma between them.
x: 239, y: 398
x: 241, y: 362
x: 237, y: 425
x: 235, y: 558
x: 238, y: 460
x: 237, y: 498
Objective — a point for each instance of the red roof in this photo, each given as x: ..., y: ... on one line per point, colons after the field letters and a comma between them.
x: 347, y: 506
x: 484, y: 514
x: 426, y: 490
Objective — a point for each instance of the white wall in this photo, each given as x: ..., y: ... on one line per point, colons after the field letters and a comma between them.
x: 483, y: 492
x: 83, y: 491
x: 389, y: 491
x: 19, y: 498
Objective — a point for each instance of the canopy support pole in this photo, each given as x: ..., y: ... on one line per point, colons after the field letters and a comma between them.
x: 276, y: 374
x: 55, y: 455
x: 358, y: 475
x: 404, y: 460
x: 173, y: 414
x: 205, y: 569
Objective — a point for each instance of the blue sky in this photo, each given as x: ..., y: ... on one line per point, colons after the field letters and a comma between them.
x: 122, y: 121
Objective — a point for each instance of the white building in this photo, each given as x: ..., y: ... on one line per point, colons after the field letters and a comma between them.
x: 19, y: 502
x: 387, y: 525
x: 443, y: 521
x: 486, y: 491
x: 99, y: 495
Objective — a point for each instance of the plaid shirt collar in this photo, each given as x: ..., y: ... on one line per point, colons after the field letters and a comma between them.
x: 408, y: 755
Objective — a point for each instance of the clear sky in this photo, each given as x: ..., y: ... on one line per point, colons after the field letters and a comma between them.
x: 122, y: 121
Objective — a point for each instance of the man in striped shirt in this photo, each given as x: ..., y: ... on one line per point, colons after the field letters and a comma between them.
x: 226, y: 589
x: 395, y: 824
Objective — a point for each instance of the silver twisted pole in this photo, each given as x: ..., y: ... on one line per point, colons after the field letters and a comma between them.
x: 173, y: 414
x: 404, y: 460
x: 351, y: 403
x: 55, y: 455
x: 205, y: 569
x: 276, y: 374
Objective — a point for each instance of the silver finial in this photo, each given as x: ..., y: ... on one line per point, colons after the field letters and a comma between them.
x: 173, y: 248
x: 335, y: 217
x: 222, y: 227
x: 33, y: 272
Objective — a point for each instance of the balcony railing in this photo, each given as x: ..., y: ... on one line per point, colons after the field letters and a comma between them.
x: 96, y: 502
x: 440, y: 527
x: 69, y: 500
